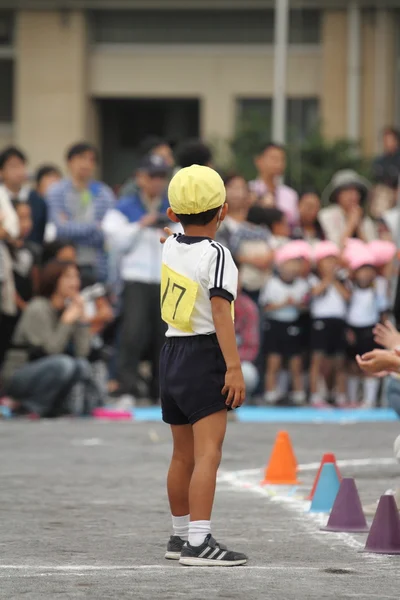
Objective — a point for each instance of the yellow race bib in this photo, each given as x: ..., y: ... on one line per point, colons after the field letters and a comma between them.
x: 178, y: 297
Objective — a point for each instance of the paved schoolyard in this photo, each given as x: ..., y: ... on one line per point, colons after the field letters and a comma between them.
x: 84, y: 515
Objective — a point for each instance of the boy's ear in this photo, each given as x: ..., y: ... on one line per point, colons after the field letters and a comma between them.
x: 224, y: 211
x: 172, y: 216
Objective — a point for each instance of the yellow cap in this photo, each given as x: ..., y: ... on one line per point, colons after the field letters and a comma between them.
x: 196, y: 189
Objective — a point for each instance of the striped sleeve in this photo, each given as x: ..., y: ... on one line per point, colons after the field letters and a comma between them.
x: 222, y: 273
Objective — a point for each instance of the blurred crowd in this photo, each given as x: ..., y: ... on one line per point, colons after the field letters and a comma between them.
x: 80, y: 269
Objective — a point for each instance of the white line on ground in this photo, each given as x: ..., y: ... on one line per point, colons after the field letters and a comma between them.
x: 91, y: 568
x: 355, y: 462
x: 310, y: 521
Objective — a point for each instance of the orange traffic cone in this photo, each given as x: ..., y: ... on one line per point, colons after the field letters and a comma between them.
x: 282, y: 466
x: 327, y: 458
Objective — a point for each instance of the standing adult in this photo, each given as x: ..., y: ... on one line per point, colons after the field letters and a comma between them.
x: 14, y: 187
x: 345, y: 217
x: 133, y: 231
x: 45, y: 177
x: 77, y: 205
x: 268, y: 189
x: 150, y: 145
x: 386, y: 167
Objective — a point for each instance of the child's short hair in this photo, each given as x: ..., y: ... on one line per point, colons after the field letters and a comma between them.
x: 45, y: 170
x: 194, y: 152
x: 80, y: 148
x: 51, y: 249
x: 11, y: 152
x: 201, y: 219
x: 265, y: 216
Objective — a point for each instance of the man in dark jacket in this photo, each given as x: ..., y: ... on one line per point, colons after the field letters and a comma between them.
x: 386, y: 168
x: 45, y: 177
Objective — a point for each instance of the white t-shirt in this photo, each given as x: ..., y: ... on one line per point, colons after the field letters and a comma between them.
x: 328, y: 305
x: 366, y: 306
x: 194, y: 270
x: 276, y: 291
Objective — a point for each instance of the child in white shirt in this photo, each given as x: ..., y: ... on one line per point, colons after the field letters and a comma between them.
x: 365, y: 309
x: 328, y: 306
x: 282, y: 298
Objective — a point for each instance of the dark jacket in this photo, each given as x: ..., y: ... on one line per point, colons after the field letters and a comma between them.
x: 39, y: 217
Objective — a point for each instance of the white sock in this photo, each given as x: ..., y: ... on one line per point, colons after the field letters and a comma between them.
x: 180, y: 526
x: 370, y: 389
x: 352, y: 388
x: 198, y: 531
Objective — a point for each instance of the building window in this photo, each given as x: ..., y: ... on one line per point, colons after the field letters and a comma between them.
x: 302, y: 115
x: 6, y: 90
x: 200, y: 27
x: 6, y: 28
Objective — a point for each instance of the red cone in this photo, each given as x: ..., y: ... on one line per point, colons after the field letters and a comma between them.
x: 327, y: 458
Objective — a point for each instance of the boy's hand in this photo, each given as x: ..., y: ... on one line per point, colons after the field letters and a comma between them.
x: 387, y: 335
x: 168, y: 232
x: 234, y: 387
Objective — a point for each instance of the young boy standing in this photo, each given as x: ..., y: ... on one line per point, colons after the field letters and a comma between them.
x: 200, y: 372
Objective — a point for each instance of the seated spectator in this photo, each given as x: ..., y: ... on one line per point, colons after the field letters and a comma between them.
x: 133, y: 230
x: 50, y: 343
x: 247, y: 328
x: 271, y: 165
x: 25, y: 258
x: 345, y: 218
x: 45, y: 177
x: 150, y: 145
x: 77, y: 206
x: 194, y: 152
x: 97, y: 306
x: 14, y: 177
x: 309, y: 227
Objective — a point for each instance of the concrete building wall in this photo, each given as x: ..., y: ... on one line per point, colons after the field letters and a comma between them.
x: 333, y: 91
x: 51, y: 96
x: 215, y: 75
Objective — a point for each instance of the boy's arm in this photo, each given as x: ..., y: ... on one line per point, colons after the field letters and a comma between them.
x: 225, y: 330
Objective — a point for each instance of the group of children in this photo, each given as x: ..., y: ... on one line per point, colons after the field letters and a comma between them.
x: 319, y: 310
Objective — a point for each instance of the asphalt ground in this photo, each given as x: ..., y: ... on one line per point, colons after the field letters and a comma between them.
x: 84, y: 514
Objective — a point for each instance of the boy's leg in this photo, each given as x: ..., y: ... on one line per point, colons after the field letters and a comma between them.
x: 209, y: 434
x: 202, y: 549
x: 180, y: 470
x: 178, y: 481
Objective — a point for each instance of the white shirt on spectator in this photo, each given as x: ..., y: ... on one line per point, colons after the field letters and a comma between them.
x: 366, y: 306
x: 328, y: 305
x: 277, y: 291
x: 8, y: 216
x: 139, y: 247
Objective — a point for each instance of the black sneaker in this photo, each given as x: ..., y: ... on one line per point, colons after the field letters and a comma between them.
x: 174, y: 548
x: 211, y: 554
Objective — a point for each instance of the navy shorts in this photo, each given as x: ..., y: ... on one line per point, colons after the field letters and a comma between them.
x: 192, y: 376
x: 328, y: 336
x: 282, y: 338
x: 360, y: 341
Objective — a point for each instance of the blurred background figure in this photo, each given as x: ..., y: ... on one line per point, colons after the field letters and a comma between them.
x: 133, y: 230
x: 268, y: 187
x: 77, y: 206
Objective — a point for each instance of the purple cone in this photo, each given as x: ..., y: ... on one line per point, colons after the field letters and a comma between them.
x: 384, y: 536
x: 347, y: 514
